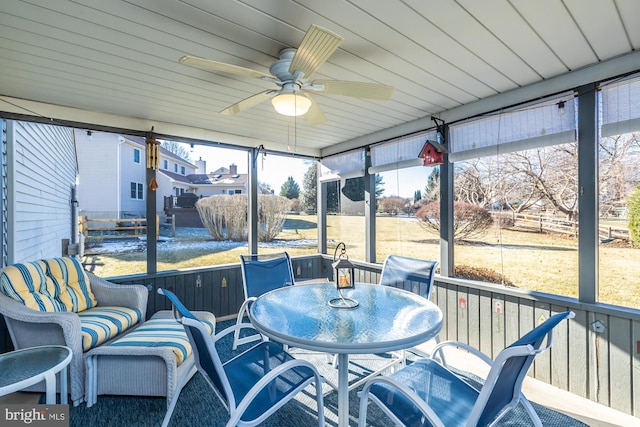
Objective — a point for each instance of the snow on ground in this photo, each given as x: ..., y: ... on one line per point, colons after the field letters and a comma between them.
x: 186, y: 238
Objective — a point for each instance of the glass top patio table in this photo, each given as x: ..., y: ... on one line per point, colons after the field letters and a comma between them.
x: 386, y: 319
x: 22, y: 368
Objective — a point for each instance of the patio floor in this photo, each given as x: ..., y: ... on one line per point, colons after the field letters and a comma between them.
x: 591, y: 413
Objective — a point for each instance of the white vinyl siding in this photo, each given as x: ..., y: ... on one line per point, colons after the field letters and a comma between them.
x: 99, y: 169
x: 40, y: 210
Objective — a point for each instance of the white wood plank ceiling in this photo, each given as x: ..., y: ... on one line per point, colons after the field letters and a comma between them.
x: 115, y: 63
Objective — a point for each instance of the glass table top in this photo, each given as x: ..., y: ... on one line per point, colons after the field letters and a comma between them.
x: 386, y: 318
x: 20, y: 365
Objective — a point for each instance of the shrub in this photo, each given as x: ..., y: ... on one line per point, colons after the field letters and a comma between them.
x: 225, y: 216
x: 481, y: 274
x: 469, y: 220
x: 272, y: 212
x: 295, y: 205
x: 392, y: 205
x: 633, y: 212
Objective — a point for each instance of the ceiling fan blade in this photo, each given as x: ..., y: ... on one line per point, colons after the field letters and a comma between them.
x: 247, y: 103
x: 314, y: 116
x: 210, y: 65
x: 356, y: 89
x: 315, y: 48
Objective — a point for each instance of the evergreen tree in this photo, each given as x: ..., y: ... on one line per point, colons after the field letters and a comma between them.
x: 633, y: 213
x: 290, y: 189
x: 432, y: 190
x: 379, y: 187
x: 310, y: 189
x: 417, y: 196
x: 333, y: 196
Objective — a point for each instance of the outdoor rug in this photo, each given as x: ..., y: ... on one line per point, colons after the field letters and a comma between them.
x: 198, y: 406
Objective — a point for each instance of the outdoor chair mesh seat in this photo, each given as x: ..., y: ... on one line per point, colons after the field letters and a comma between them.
x: 428, y: 392
x: 254, y: 384
x: 261, y: 274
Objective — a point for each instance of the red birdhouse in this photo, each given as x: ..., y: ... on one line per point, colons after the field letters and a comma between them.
x: 432, y: 153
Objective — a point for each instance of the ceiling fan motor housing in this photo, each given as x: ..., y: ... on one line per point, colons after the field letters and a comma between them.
x: 280, y: 68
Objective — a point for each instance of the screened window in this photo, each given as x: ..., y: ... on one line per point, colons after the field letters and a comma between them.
x: 403, y: 186
x: 516, y: 198
x: 619, y: 193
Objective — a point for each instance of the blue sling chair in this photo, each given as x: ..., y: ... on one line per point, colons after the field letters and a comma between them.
x: 254, y: 384
x: 411, y: 274
x: 427, y: 392
x: 261, y: 274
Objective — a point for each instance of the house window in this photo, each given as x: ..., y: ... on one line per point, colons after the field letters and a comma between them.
x: 175, y: 167
x: 136, y: 155
x: 137, y: 191
x: 183, y: 170
x: 165, y: 165
x: 238, y: 191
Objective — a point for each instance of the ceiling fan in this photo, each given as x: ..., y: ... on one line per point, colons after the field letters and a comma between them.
x: 291, y: 73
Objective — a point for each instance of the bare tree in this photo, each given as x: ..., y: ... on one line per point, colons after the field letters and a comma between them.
x: 550, y: 175
x: 178, y: 148
x: 619, y: 173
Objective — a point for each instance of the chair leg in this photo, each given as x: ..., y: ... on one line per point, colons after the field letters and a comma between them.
x: 532, y: 412
x: 236, y: 334
x: 320, y: 402
x: 364, y: 404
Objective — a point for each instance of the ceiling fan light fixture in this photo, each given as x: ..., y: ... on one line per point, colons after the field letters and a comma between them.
x: 291, y: 104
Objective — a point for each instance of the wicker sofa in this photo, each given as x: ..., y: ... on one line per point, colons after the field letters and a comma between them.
x: 55, y: 301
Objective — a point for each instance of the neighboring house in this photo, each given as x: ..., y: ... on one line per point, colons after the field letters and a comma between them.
x: 113, y: 176
x: 38, y: 175
x: 221, y: 181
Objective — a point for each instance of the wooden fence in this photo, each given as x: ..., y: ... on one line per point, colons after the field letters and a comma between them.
x: 122, y: 228
x: 558, y: 225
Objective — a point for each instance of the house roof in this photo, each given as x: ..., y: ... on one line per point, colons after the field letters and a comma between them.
x: 213, y: 178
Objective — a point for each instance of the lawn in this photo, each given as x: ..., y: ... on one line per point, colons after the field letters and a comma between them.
x: 531, y: 260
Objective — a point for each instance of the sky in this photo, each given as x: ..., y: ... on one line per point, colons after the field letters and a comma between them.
x: 275, y: 169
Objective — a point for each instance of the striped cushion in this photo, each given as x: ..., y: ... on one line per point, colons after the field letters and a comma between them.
x: 29, y: 284
x: 100, y: 324
x: 68, y: 271
x: 161, y: 333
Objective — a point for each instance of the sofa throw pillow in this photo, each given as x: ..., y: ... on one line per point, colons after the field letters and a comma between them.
x: 68, y: 272
x: 29, y: 284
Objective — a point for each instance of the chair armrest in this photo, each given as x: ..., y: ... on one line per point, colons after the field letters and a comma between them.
x: 475, y: 352
x: 17, y: 316
x: 231, y: 329
x: 108, y: 293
